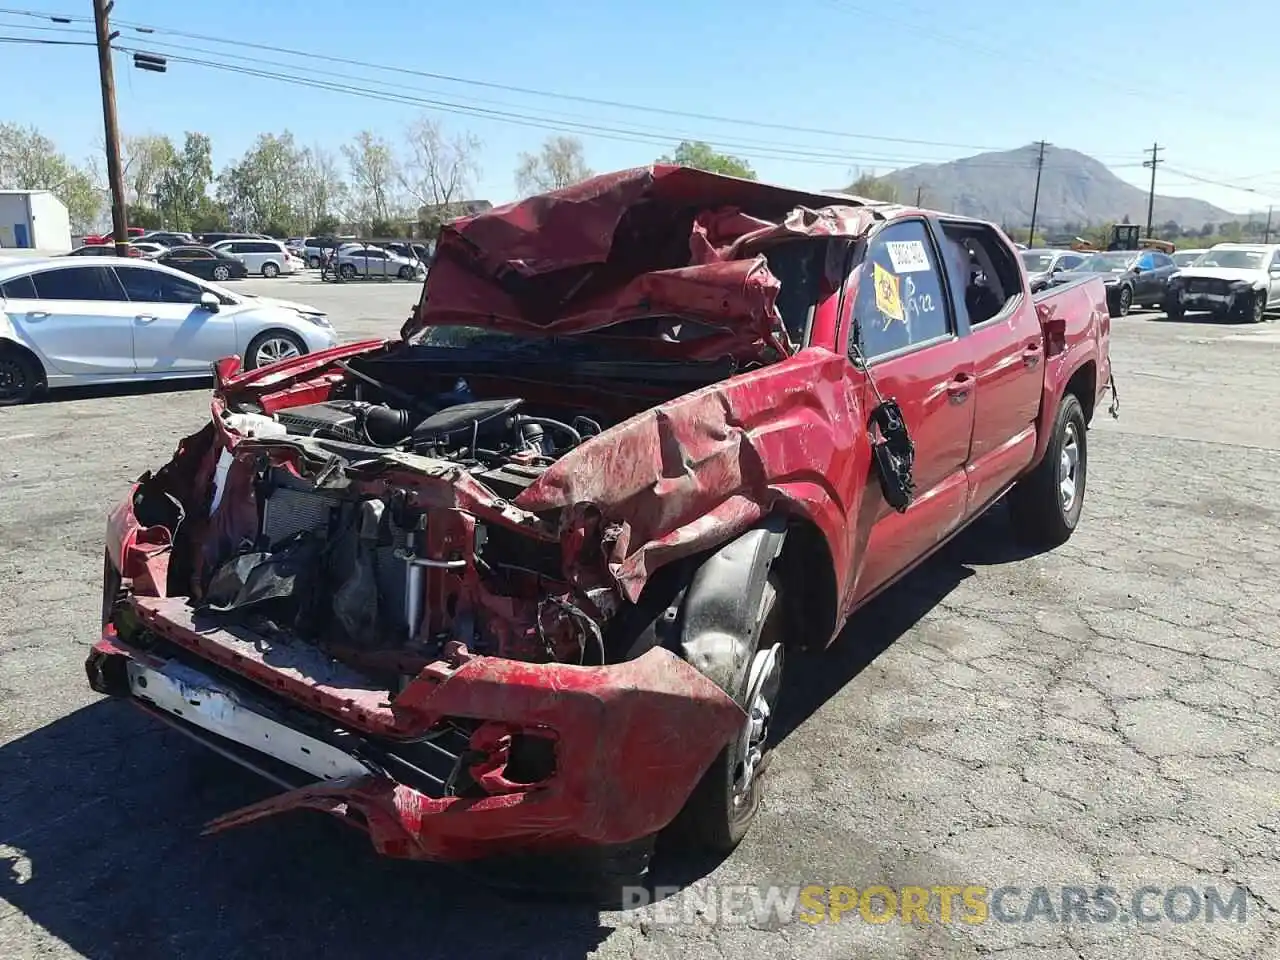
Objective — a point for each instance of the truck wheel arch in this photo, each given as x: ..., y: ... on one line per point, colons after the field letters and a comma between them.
x: 1083, y: 382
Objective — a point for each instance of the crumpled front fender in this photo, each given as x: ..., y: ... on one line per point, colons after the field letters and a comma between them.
x: 631, y: 742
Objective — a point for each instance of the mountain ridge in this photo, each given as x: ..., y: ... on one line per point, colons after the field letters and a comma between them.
x: 1075, y: 189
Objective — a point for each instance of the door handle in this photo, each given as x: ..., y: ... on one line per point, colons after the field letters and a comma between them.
x: 145, y: 318
x: 38, y: 315
x: 960, y: 387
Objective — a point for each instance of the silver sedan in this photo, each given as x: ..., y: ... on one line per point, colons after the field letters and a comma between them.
x: 76, y: 321
x: 361, y: 261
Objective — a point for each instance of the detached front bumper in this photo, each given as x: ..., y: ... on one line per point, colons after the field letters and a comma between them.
x: 626, y: 743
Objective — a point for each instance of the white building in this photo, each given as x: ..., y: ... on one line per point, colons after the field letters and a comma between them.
x: 34, y: 220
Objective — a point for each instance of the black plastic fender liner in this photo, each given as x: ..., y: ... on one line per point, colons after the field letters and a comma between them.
x: 721, y: 607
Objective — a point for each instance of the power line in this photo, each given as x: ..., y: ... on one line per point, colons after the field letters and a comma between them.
x: 510, y: 88
x: 544, y: 123
x: 41, y: 41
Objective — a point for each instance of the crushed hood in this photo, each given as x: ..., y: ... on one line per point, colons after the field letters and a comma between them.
x: 1223, y: 273
x: 660, y: 241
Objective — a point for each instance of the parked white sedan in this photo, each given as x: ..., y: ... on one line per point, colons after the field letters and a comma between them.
x: 75, y: 321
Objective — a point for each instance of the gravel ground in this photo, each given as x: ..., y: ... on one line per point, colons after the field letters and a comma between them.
x: 1101, y: 715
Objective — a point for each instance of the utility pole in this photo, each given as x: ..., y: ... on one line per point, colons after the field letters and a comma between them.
x: 115, y: 174
x: 919, y: 194
x: 1151, y: 197
x: 1266, y: 233
x: 1035, y: 200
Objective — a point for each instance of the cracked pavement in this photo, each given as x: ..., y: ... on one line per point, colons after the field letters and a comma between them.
x: 1104, y: 714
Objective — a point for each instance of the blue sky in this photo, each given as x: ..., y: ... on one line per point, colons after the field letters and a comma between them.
x: 1089, y: 75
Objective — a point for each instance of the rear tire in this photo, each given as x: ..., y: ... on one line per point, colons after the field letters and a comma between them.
x: 347, y: 271
x: 313, y: 263
x: 1045, y: 505
x: 21, y: 377
x: 221, y: 273
x: 726, y: 800
x: 270, y: 271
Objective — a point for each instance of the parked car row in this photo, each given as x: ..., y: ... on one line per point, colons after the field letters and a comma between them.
x: 107, y: 319
x: 1231, y: 279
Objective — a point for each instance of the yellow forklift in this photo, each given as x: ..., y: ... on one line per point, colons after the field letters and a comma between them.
x: 1125, y: 236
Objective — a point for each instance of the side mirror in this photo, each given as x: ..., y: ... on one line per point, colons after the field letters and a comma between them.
x: 210, y: 302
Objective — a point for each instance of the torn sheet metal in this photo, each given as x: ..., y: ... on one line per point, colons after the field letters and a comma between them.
x: 637, y: 243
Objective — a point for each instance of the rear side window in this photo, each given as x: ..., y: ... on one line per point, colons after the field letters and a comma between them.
x: 267, y: 247
x: 152, y: 286
x: 901, y: 301
x: 19, y: 288
x: 78, y: 283
x: 984, y: 271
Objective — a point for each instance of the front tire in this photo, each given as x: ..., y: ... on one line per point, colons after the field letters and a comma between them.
x: 270, y: 271
x: 1123, y: 302
x: 20, y: 377
x: 273, y: 346
x: 406, y: 273
x: 313, y: 263
x: 726, y: 800
x: 1046, y: 504
x: 1258, y: 309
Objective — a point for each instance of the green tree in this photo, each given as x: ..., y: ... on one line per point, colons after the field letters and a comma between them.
x: 31, y: 161
x: 702, y: 156
x: 183, y: 189
x: 558, y: 164
x: 261, y: 191
x: 871, y: 187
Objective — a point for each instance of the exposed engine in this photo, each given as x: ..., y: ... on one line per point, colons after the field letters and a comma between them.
x: 380, y: 581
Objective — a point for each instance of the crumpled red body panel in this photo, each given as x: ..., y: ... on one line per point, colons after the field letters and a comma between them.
x: 694, y: 472
x: 637, y: 243
x: 632, y: 740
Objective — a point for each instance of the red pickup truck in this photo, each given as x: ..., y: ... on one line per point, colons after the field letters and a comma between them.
x: 524, y: 579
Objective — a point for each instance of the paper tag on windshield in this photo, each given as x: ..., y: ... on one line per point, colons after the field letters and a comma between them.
x: 907, y: 256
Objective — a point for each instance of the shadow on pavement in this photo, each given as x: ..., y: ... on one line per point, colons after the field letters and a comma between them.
x: 101, y: 391
x: 100, y: 845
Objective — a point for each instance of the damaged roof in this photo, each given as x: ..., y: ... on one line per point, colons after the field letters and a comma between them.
x: 644, y: 242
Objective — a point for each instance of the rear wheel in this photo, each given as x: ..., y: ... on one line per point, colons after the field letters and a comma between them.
x: 270, y: 270
x: 1046, y: 504
x: 272, y: 347
x: 313, y: 263
x: 724, y: 804
x: 347, y: 271
x: 20, y: 377
x: 221, y: 272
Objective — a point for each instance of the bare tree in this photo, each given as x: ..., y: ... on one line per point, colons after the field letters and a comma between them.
x: 375, y: 173
x: 322, y: 188
x: 558, y: 164
x: 440, y: 169
x: 147, y: 158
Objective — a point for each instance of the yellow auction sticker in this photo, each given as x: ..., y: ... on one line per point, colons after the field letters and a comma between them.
x: 888, y: 295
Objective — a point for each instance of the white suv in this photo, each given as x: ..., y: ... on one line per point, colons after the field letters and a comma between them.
x: 267, y: 257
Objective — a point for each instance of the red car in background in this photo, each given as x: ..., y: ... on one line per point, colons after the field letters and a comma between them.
x: 98, y: 239
x: 524, y: 580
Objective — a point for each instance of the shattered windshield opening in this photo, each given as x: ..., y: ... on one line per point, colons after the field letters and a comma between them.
x: 1108, y: 263
x: 594, y: 345
x: 1232, y: 259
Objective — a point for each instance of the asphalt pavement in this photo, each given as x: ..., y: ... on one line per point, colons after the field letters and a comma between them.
x: 1102, y: 715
